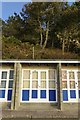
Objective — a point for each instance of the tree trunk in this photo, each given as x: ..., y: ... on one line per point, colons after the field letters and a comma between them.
x: 47, y: 32
x: 41, y: 36
x: 41, y: 39
x: 52, y: 43
x: 63, y: 46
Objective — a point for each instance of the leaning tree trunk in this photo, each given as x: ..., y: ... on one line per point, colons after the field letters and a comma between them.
x: 47, y: 32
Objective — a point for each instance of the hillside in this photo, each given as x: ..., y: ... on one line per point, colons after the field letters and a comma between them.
x: 19, y: 50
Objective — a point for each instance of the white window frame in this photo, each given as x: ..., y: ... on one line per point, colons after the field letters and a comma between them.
x: 30, y: 89
x: 68, y: 85
x: 7, y: 83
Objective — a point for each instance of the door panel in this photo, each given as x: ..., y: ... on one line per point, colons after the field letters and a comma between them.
x: 39, y: 85
x: 70, y: 85
x: 73, y: 86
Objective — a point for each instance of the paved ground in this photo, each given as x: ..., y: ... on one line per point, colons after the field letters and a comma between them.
x: 36, y: 112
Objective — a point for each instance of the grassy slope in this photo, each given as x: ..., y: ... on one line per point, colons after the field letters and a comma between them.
x: 24, y: 51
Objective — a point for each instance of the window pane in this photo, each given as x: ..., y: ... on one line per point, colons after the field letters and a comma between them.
x: 78, y: 84
x: 26, y: 74
x: 4, y: 75
x: 51, y: 74
x: 10, y: 84
x: 3, y: 84
x: 64, y: 74
x: 11, y: 75
x: 43, y: 84
x: 34, y: 75
x: 26, y: 84
x: 34, y: 84
x: 72, y: 84
x: 71, y: 75
x: 52, y: 84
x: 64, y: 84
x: 78, y: 75
x: 43, y: 75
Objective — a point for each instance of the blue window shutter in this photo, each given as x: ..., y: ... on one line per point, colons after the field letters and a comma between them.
x: 43, y: 94
x: 25, y: 95
x: 65, y: 95
x: 52, y: 95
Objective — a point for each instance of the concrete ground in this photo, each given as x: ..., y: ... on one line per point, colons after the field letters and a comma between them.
x: 42, y: 111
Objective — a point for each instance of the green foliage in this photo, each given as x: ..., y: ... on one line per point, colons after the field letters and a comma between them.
x: 44, y: 25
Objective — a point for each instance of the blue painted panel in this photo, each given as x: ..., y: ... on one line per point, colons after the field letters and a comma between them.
x: 65, y: 95
x: 72, y: 93
x: 79, y: 93
x: 2, y: 93
x: 52, y: 95
x: 25, y: 95
x: 43, y: 94
x: 9, y: 95
x: 34, y: 94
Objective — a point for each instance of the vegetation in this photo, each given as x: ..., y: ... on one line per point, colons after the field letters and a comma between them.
x: 51, y: 28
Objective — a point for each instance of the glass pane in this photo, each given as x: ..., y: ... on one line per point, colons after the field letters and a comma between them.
x: 78, y: 84
x: 52, y: 84
x: 72, y: 84
x: 10, y: 84
x: 26, y: 84
x: 51, y: 74
x: 64, y: 74
x: 71, y: 75
x: 4, y: 75
x: 34, y: 84
x: 78, y: 75
x: 64, y: 84
x: 3, y: 84
x: 11, y: 75
x: 43, y: 75
x: 26, y: 74
x: 34, y: 75
x: 43, y: 84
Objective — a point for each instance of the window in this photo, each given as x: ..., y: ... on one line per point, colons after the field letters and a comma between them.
x: 78, y: 76
x: 52, y: 79
x: 26, y: 74
x: 34, y: 83
x: 72, y: 84
x: 11, y: 75
x: 34, y: 75
x: 64, y: 74
x: 64, y: 79
x: 6, y: 84
x: 64, y: 84
x: 43, y: 79
x: 51, y: 74
x: 3, y: 84
x: 26, y: 79
x: 4, y: 75
x: 71, y: 75
x: 52, y: 84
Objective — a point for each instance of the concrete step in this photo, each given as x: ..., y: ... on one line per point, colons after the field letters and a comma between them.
x: 38, y: 106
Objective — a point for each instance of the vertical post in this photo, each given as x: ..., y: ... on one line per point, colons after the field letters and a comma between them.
x: 14, y: 88
x: 59, y: 84
x: 33, y: 52
x: 18, y: 86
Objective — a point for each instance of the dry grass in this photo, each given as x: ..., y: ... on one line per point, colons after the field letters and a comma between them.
x: 14, y: 50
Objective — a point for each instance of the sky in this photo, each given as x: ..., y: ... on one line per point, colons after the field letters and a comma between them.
x: 8, y: 8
